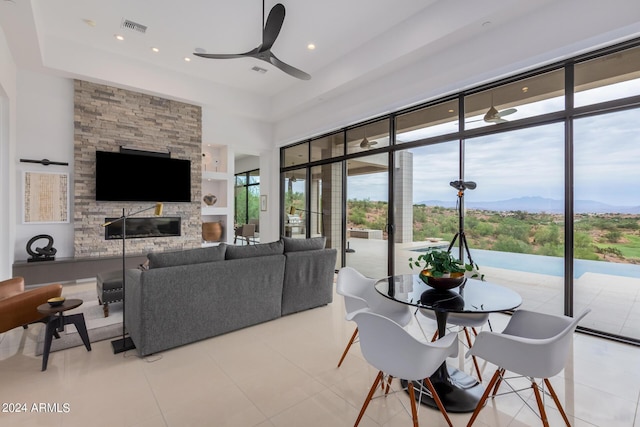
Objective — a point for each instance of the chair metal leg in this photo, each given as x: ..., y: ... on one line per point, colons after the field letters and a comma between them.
x: 557, y: 401
x: 473, y: 357
x: 543, y: 413
x: 414, y: 409
x: 436, y: 398
x: 346, y: 350
x: 484, y: 397
x: 369, y: 396
x: 434, y: 337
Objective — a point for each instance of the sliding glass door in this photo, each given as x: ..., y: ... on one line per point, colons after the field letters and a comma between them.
x: 607, y: 222
x: 514, y: 218
x: 553, y: 209
x: 368, y: 214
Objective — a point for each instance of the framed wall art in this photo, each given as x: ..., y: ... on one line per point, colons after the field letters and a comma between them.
x: 46, y: 197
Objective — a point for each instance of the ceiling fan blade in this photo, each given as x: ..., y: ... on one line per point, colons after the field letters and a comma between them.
x: 506, y: 112
x: 272, y: 27
x: 496, y: 120
x: 220, y: 56
x: 252, y: 52
x: 292, y: 71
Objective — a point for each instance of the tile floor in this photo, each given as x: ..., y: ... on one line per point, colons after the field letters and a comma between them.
x: 281, y: 373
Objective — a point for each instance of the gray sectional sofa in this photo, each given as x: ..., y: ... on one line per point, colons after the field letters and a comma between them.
x: 190, y: 295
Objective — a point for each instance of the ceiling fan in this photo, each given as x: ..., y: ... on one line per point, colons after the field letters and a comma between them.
x: 367, y: 144
x: 263, y: 51
x: 495, y: 116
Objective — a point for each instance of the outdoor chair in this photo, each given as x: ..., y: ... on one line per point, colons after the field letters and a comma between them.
x: 245, y: 231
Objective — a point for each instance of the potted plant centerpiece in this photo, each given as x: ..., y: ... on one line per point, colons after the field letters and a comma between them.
x: 441, y: 270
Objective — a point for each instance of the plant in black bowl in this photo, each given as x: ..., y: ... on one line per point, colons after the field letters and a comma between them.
x: 441, y: 270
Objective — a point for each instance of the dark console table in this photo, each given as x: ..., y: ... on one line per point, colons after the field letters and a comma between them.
x: 68, y: 269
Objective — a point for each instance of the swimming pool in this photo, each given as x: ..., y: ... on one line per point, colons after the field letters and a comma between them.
x: 553, y: 266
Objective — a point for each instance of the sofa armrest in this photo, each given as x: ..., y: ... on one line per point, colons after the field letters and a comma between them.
x: 308, y: 279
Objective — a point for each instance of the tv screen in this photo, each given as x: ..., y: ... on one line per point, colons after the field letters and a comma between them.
x: 142, y: 178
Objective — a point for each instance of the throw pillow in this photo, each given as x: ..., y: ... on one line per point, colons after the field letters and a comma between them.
x: 249, y: 251
x: 295, y: 245
x: 188, y: 256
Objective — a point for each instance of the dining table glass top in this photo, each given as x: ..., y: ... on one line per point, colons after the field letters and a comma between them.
x: 473, y: 296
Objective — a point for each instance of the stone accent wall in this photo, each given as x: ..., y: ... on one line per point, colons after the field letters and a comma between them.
x: 106, y: 118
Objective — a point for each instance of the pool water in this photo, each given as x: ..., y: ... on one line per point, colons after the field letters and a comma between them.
x: 549, y: 265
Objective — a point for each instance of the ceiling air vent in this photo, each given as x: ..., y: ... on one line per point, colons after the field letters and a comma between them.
x: 259, y: 69
x: 130, y: 25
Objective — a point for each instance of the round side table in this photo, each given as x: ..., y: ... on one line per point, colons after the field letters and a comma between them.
x: 56, y: 321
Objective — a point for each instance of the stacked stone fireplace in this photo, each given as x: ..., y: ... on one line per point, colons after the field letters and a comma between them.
x: 107, y: 118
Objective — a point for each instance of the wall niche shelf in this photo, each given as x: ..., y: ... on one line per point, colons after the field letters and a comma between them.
x: 217, y: 180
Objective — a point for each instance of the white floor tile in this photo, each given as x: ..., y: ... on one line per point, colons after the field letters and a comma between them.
x: 283, y: 373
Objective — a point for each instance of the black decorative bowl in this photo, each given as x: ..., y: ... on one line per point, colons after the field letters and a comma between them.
x: 442, y: 282
x: 55, y: 302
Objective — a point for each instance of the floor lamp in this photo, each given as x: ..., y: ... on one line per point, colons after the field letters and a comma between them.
x: 124, y: 344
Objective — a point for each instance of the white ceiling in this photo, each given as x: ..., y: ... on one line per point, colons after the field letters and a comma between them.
x: 358, y: 41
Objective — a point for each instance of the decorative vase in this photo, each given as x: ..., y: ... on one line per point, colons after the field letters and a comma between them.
x: 211, y: 231
x: 210, y: 199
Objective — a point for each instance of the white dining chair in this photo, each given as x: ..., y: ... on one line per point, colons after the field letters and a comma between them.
x: 391, y: 349
x: 465, y: 321
x: 533, y: 345
x: 359, y: 292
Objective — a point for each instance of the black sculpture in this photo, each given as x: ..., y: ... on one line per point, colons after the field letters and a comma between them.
x: 41, y: 254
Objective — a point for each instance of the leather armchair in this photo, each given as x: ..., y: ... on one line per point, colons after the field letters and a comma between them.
x: 17, y: 307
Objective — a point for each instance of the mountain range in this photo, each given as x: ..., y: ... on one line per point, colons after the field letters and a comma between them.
x: 537, y: 205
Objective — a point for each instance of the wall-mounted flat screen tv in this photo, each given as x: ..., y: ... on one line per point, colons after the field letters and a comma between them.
x: 127, y: 177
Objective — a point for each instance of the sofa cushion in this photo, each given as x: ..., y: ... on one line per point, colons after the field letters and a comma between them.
x: 295, y: 245
x: 249, y: 251
x: 186, y: 257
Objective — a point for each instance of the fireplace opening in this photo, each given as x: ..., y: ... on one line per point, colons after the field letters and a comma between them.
x: 138, y: 228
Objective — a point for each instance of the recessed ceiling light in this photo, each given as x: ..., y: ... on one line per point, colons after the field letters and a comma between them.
x: 525, y: 89
x: 451, y: 110
x: 187, y: 59
x: 89, y: 22
x: 155, y: 49
x: 118, y: 37
x: 311, y: 46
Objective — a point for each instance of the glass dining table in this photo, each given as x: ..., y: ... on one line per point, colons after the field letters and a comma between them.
x: 458, y: 391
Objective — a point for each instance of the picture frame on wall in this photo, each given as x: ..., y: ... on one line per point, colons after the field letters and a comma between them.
x: 46, y: 197
x: 263, y: 202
